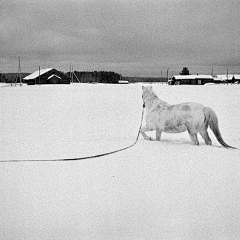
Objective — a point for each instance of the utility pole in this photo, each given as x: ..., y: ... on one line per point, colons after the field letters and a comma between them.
x: 39, y: 77
x: 76, y: 77
x: 19, y: 74
x: 167, y: 74
x: 72, y: 73
x: 227, y: 76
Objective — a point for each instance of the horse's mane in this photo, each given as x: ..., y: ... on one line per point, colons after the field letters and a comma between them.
x: 151, y: 92
x: 155, y: 96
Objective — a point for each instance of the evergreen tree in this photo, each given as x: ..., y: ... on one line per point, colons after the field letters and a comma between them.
x: 185, y: 71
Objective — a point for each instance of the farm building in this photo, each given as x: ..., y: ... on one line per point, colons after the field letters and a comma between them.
x: 190, y: 79
x: 47, y: 76
x: 230, y: 78
x: 123, y: 82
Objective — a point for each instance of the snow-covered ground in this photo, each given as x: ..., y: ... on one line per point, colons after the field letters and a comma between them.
x: 154, y: 190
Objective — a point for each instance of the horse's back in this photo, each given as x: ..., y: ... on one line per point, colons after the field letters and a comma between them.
x: 180, y: 117
x: 188, y: 108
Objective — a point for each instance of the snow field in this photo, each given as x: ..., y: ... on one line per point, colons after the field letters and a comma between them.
x: 154, y: 190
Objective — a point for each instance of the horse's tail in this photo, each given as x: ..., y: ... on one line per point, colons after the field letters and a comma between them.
x: 212, y: 120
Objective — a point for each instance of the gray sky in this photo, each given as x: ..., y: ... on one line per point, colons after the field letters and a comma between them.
x: 134, y: 37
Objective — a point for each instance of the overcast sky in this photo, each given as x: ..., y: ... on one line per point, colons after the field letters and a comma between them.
x: 134, y: 37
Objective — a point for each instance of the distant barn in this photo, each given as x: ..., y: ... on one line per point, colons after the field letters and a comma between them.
x: 47, y: 76
x: 230, y: 78
x: 194, y: 79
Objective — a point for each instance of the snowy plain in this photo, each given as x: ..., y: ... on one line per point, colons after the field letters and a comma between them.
x: 154, y: 190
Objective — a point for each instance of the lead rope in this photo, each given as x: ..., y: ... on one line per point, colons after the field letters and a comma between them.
x: 84, y: 158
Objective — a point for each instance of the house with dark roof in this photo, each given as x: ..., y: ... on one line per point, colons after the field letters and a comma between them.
x: 192, y: 79
x: 47, y: 76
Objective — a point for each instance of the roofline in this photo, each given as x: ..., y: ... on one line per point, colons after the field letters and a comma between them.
x: 36, y: 73
x: 53, y: 76
x: 193, y: 76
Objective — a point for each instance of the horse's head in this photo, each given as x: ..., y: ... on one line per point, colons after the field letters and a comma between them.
x: 146, y: 91
x: 148, y: 95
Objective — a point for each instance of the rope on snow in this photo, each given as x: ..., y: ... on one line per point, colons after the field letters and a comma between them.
x: 83, y: 158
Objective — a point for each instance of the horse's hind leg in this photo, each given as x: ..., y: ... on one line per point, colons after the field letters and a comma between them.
x: 193, y: 137
x: 203, y: 132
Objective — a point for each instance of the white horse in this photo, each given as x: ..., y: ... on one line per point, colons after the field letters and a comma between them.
x: 191, y: 117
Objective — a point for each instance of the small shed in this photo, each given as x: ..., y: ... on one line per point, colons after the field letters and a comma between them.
x: 123, y: 82
x: 47, y: 76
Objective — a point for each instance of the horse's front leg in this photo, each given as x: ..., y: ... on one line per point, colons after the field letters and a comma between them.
x: 146, y: 129
x: 158, y: 135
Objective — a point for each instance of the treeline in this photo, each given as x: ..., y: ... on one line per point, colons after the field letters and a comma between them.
x: 94, y: 77
x: 89, y: 77
x: 83, y: 77
x: 11, y: 77
x: 2, y: 78
x: 145, y: 79
x: 109, y: 77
